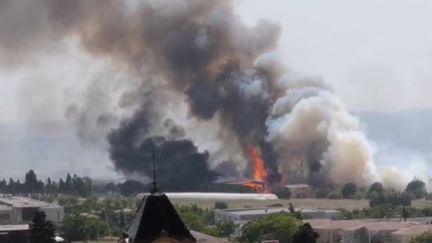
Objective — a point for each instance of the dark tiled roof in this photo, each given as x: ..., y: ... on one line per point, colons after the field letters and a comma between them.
x: 156, y: 217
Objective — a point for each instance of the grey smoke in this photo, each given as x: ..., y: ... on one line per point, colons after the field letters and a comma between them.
x: 200, y: 55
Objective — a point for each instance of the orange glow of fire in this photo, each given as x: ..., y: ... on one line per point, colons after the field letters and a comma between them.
x: 260, y: 173
x: 258, y: 187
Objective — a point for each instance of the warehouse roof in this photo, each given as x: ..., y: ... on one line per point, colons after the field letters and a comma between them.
x: 22, y: 202
x: 14, y: 227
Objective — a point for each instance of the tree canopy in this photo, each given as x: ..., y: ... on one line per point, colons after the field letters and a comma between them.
x: 41, y: 229
x: 375, y: 187
x: 273, y: 227
x: 72, y: 185
x: 417, y: 188
x: 305, y: 234
x: 349, y: 190
x: 389, y: 197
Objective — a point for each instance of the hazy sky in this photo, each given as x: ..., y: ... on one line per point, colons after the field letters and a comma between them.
x: 377, y: 54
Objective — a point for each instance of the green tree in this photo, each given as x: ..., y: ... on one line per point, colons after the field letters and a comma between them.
x: 84, y: 227
x: 31, y: 181
x: 375, y: 187
x: 417, y: 188
x: 226, y: 229
x: 41, y: 229
x: 3, y: 186
x: 68, y: 184
x: 321, y: 192
x: 273, y: 227
x: 62, y: 186
x: 220, y: 205
x: 349, y: 190
x: 130, y: 188
x: 305, y: 234
x: 335, y: 194
x: 426, y: 237
x: 389, y: 197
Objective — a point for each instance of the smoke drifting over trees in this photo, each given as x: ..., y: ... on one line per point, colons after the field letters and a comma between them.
x: 198, y: 54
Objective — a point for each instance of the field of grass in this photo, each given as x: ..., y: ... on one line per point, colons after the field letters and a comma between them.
x: 298, y: 203
x: 306, y: 203
x: 422, y: 203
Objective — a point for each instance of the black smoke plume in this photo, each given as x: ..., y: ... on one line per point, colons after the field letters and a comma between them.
x: 198, y: 53
x: 180, y: 167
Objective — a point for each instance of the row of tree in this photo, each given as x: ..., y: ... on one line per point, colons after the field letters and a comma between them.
x: 376, y: 193
x: 72, y: 185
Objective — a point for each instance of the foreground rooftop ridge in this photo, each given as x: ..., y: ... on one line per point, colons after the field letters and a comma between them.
x: 156, y: 218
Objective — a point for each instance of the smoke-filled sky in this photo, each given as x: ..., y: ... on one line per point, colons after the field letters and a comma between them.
x: 376, y: 56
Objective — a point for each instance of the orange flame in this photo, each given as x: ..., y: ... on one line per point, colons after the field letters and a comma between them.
x: 260, y: 172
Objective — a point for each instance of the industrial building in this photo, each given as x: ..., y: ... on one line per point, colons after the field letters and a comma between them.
x: 368, y: 230
x: 241, y: 216
x: 299, y: 190
x: 20, y: 210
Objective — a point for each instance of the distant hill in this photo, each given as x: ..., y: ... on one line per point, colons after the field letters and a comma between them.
x: 51, y: 149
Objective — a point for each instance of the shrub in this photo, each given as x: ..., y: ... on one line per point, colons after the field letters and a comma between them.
x: 417, y: 188
x: 334, y: 195
x: 349, y: 190
x: 273, y: 227
x: 358, y: 196
x: 220, y: 205
x: 322, y: 192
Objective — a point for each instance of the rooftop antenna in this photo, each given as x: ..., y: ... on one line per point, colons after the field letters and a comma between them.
x: 154, y: 188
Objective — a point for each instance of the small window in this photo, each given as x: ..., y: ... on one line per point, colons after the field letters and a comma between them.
x: 4, y: 216
x: 28, y: 213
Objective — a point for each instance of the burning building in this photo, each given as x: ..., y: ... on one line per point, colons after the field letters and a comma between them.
x: 203, y: 88
x: 259, y: 171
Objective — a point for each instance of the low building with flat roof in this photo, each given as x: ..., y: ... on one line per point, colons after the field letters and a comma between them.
x: 20, y: 210
x: 367, y: 230
x: 17, y: 233
x: 241, y: 216
x: 405, y: 235
x: 299, y: 190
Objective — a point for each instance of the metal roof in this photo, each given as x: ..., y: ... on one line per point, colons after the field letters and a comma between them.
x: 23, y: 202
x: 272, y: 210
x: 14, y: 227
x: 414, y: 229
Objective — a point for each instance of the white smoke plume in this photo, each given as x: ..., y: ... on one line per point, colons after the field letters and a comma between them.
x: 198, y: 75
x: 310, y: 125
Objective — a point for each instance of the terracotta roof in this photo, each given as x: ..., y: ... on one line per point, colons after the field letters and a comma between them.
x: 203, y: 238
